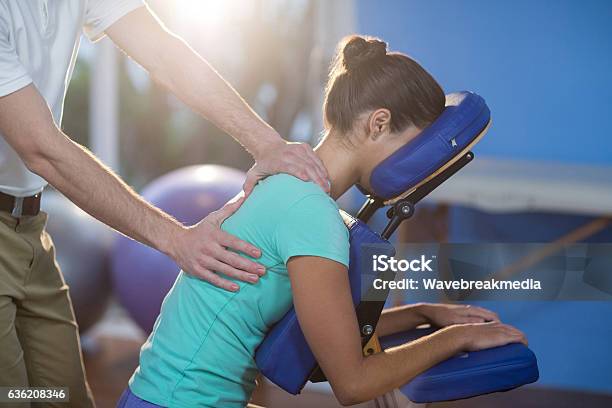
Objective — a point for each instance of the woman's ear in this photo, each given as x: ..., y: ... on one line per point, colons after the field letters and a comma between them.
x: 379, y: 123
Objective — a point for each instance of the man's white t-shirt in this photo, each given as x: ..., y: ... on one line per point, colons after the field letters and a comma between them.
x: 39, y: 41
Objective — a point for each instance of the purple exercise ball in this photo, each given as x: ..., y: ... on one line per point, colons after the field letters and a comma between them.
x: 83, y: 247
x: 141, y: 275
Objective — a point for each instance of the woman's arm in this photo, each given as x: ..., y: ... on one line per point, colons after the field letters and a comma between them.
x: 400, y: 318
x: 322, y: 300
x: 407, y: 317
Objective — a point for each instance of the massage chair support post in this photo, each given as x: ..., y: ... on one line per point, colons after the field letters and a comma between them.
x: 368, y: 312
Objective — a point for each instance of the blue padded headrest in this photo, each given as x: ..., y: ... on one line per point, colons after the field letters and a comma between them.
x: 465, y: 117
x: 284, y: 356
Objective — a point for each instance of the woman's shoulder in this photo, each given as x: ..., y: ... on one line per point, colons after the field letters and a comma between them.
x: 282, y: 201
x: 288, y: 190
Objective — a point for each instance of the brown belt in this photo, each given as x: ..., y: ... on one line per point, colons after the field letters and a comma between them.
x: 20, y: 206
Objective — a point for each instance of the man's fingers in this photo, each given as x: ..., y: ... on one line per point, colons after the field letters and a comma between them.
x: 314, y: 176
x: 230, y: 241
x: 298, y: 169
x: 210, y: 268
x: 317, y: 163
x: 231, y: 272
x: 317, y: 166
x: 304, y: 164
x: 216, y: 280
x: 241, y: 263
x: 297, y: 159
x: 304, y: 171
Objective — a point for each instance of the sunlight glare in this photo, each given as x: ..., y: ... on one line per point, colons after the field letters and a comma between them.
x: 204, y: 12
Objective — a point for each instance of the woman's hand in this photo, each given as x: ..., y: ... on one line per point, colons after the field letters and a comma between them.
x: 479, y: 336
x: 297, y: 159
x: 203, y: 250
x: 443, y: 315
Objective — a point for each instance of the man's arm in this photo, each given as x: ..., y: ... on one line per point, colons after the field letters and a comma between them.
x: 178, y: 68
x: 28, y: 126
x: 322, y: 300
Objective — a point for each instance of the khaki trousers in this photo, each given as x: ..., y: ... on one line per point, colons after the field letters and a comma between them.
x: 39, y: 339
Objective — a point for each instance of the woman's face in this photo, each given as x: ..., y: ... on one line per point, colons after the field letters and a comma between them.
x: 378, y: 145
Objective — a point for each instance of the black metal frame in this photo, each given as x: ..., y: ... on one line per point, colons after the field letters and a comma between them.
x: 368, y: 312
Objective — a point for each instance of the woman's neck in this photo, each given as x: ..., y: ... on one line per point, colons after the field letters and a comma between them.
x: 340, y: 164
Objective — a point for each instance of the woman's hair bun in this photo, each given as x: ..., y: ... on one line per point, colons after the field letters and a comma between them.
x: 360, y: 50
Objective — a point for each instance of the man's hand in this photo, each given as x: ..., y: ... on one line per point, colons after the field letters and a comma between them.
x: 443, y: 315
x: 204, y: 249
x: 297, y: 159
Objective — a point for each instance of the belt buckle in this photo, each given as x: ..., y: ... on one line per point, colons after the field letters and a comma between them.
x: 17, y: 207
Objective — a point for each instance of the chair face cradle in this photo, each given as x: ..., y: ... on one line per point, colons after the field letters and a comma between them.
x: 403, y: 179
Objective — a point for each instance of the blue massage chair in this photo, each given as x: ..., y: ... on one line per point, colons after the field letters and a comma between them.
x: 400, y: 182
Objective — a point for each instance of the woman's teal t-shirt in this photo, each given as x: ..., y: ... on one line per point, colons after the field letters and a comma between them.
x: 201, y: 351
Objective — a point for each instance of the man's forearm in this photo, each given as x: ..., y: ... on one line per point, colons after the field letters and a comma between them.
x: 75, y: 172
x: 178, y: 68
x: 188, y: 76
x: 174, y: 65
